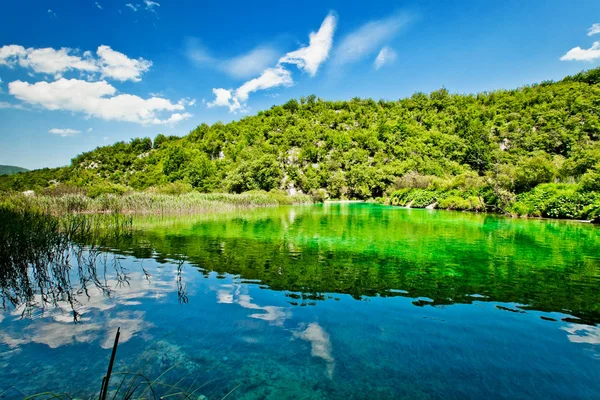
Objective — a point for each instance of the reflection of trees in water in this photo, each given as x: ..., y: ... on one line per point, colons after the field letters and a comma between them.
x: 46, y: 260
x: 440, y: 260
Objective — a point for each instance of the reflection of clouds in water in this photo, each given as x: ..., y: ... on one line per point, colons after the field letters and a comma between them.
x: 313, y: 333
x: 232, y: 294
x: 56, y: 334
x: 320, y: 344
x: 120, y: 294
x: 583, y: 333
x: 54, y: 326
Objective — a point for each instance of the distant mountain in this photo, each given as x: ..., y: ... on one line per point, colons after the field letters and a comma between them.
x: 10, y: 170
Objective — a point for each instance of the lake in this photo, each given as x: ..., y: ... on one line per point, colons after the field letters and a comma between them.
x: 336, y: 301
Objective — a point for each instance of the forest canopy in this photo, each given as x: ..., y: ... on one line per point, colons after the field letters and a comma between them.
x: 462, y: 151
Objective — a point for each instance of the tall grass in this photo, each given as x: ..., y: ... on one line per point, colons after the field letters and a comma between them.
x: 151, y: 203
x: 38, y: 251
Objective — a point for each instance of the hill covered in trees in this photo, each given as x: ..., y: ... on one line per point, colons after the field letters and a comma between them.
x: 533, y: 150
x: 10, y: 170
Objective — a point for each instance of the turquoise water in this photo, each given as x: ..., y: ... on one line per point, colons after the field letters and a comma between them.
x: 336, y: 301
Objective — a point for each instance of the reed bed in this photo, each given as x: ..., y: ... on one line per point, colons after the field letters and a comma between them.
x: 150, y: 203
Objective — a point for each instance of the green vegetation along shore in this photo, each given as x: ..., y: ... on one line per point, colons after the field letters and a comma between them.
x: 531, y: 151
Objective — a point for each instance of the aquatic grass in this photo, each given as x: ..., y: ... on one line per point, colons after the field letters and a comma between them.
x: 38, y: 251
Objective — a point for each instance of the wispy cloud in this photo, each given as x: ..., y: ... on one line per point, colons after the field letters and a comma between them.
x: 134, y: 8
x: 4, y: 105
x: 242, y: 66
x: 307, y: 58
x: 370, y: 37
x: 99, y: 6
x: 271, y: 77
x: 251, y: 63
x: 151, y: 5
x: 595, y: 29
x: 52, y: 14
x: 579, y: 54
x: 385, y: 56
x: 64, y: 132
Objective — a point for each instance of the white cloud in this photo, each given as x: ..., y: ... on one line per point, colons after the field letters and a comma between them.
x: 368, y: 38
x: 134, y: 8
x: 97, y: 99
x: 110, y: 63
x: 90, y: 129
x: 579, y: 54
x: 99, y: 6
x: 64, y: 132
x: 150, y: 5
x: 223, y: 98
x: 271, y: 77
x: 385, y: 56
x: 118, y: 66
x: 10, y: 54
x: 309, y: 58
x: 51, y: 13
x: 51, y: 61
x: 595, y: 29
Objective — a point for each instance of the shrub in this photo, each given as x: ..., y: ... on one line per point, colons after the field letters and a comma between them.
x: 173, y: 188
x: 107, y: 188
x: 557, y: 201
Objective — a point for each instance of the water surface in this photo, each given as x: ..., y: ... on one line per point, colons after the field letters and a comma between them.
x: 333, y: 301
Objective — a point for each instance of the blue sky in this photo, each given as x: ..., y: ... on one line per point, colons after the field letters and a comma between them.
x: 77, y: 74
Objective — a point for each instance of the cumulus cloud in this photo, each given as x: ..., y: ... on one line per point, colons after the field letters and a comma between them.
x: 51, y: 61
x: 118, y: 66
x: 97, y: 99
x: 368, y: 38
x: 579, y: 54
x: 385, y: 56
x: 64, y: 132
x: 224, y: 98
x: 309, y: 58
x: 10, y: 54
x: 108, y: 62
x: 595, y: 29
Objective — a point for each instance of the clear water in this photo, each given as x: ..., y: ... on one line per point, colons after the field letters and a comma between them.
x: 341, y: 301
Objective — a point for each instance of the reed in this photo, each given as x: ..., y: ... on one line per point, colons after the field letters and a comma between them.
x: 150, y: 203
